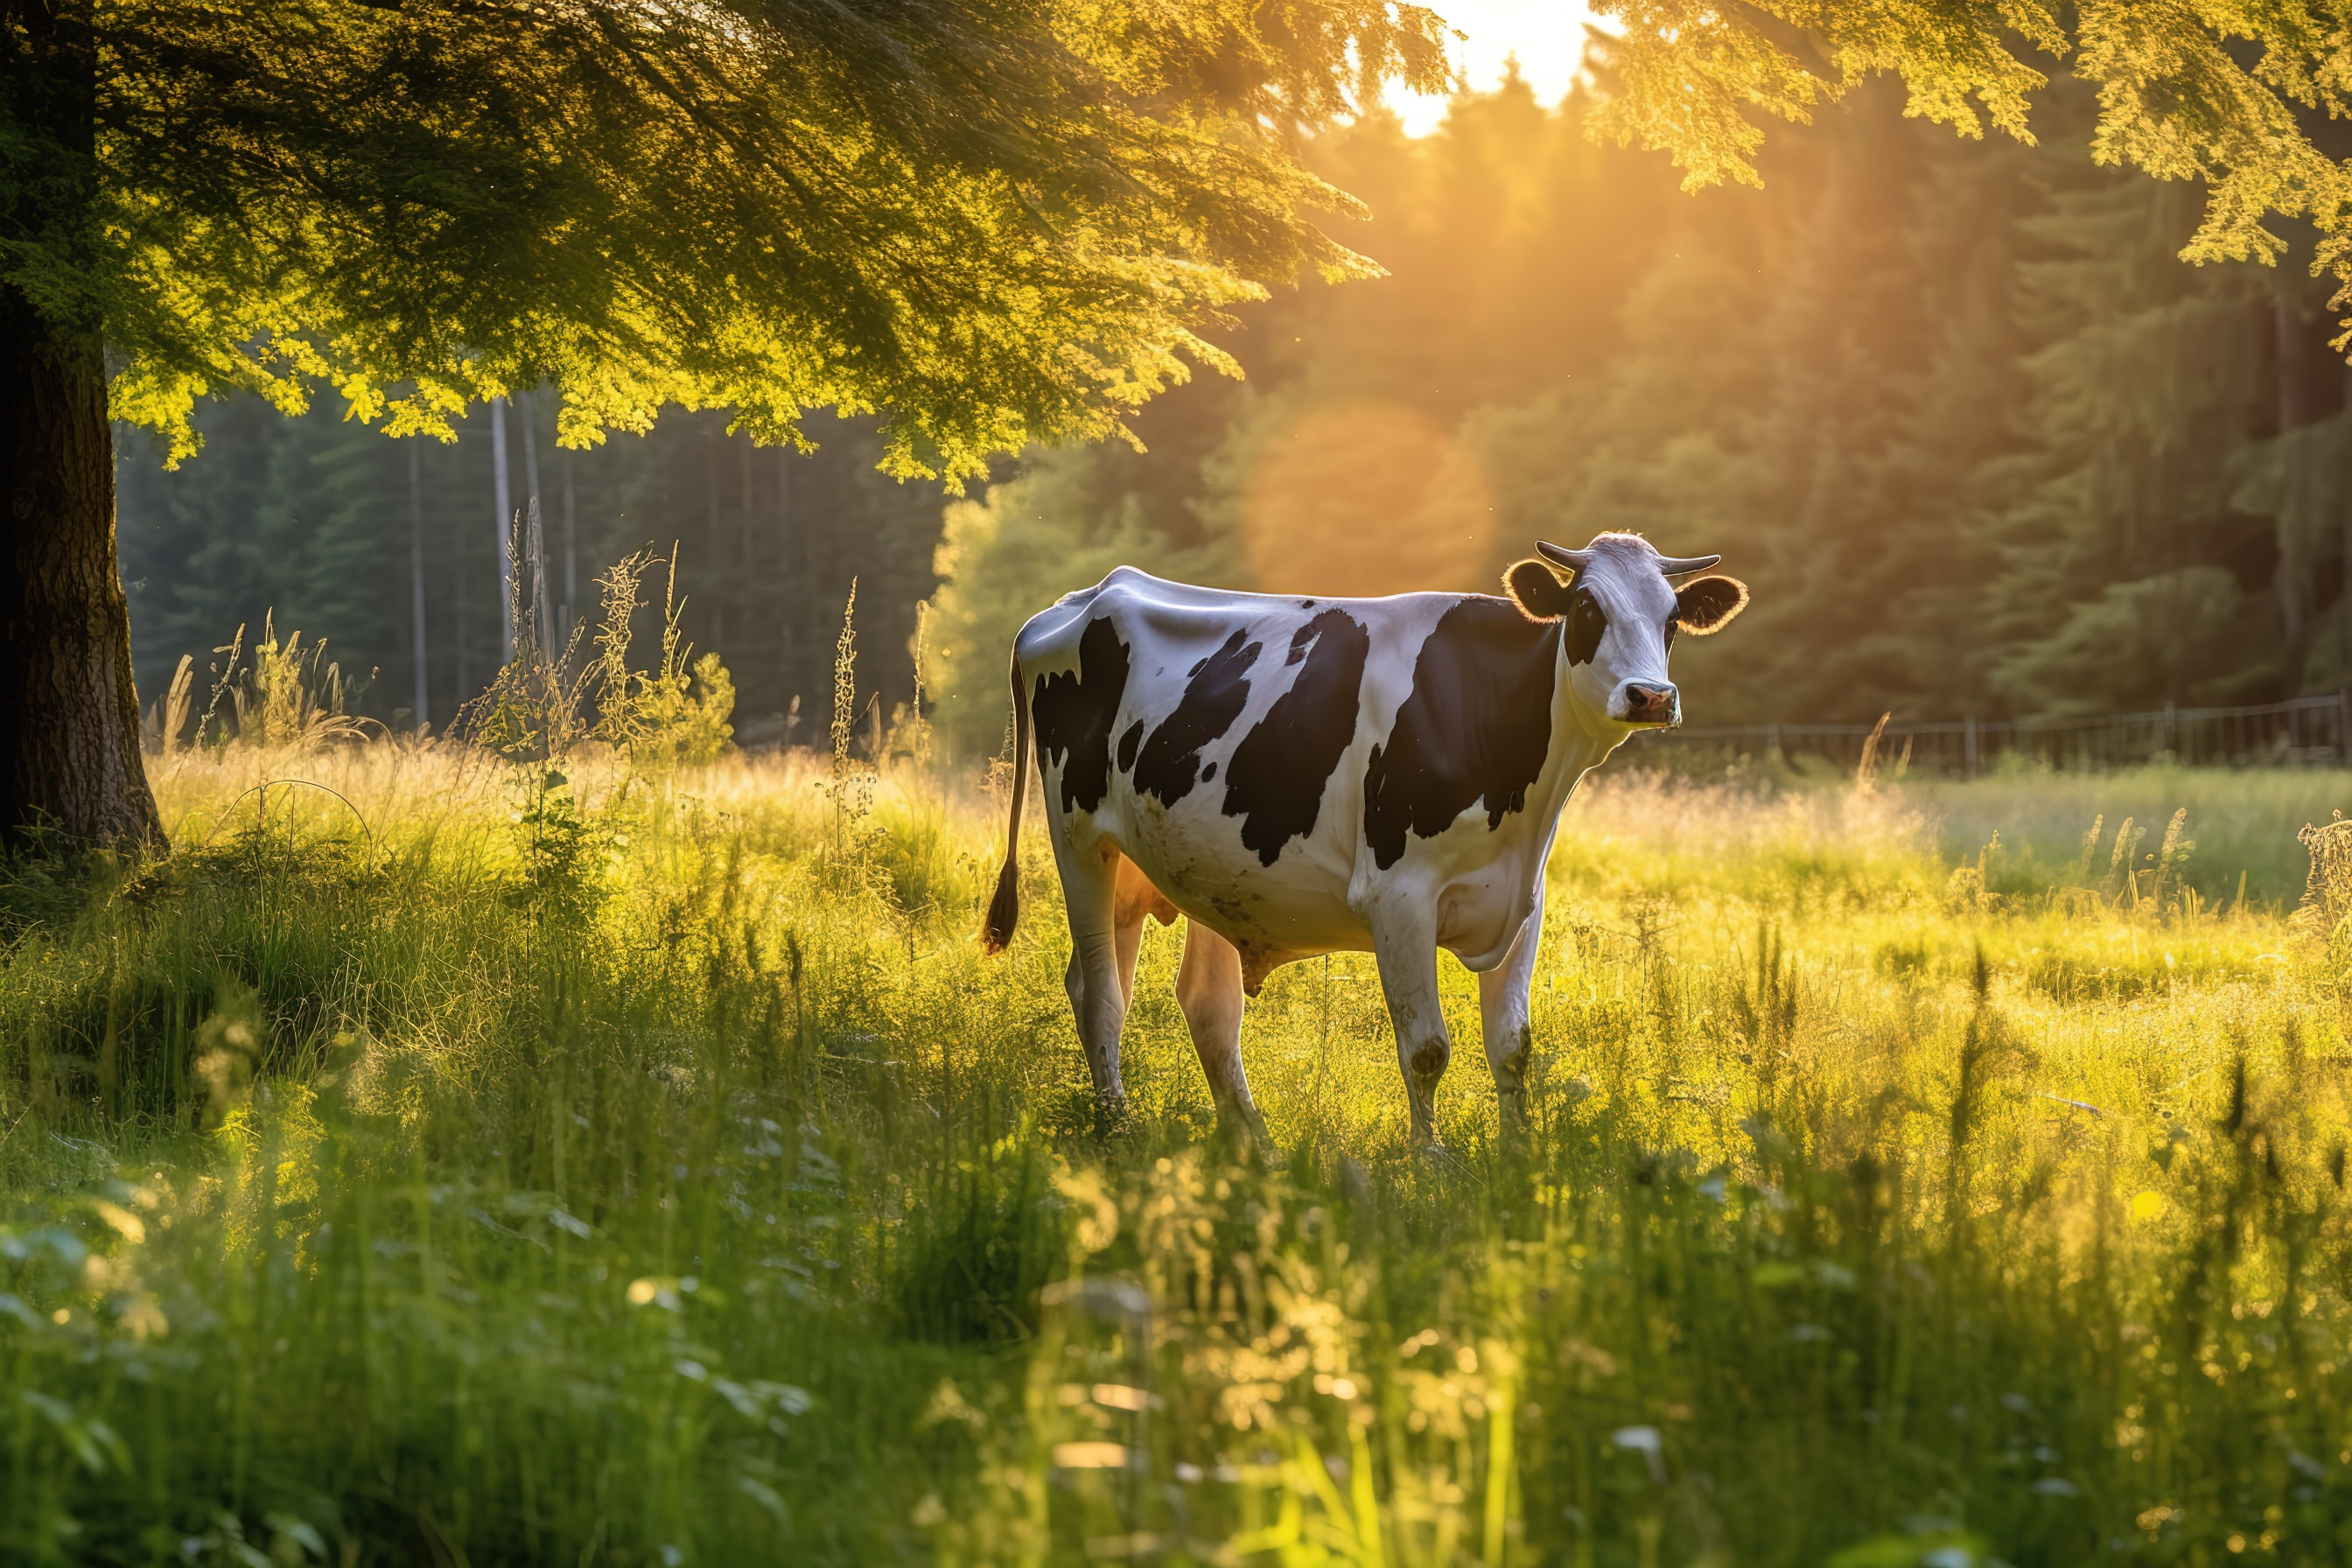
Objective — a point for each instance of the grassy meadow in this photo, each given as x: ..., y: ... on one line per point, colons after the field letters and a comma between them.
x: 445, y: 1161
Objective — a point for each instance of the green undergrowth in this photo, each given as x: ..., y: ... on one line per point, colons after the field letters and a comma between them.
x: 444, y: 1161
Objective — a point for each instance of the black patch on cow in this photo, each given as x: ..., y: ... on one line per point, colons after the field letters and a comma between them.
x: 1209, y: 773
x: 1127, y: 744
x: 1306, y: 604
x: 1586, y: 621
x: 1274, y: 783
x: 1075, y: 710
x: 1212, y: 700
x: 1477, y: 726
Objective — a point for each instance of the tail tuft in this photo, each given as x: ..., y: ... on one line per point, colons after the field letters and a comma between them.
x: 1003, y: 910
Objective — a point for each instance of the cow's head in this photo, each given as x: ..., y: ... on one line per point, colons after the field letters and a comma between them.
x: 1621, y: 610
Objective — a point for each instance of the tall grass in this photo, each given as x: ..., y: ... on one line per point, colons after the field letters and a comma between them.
x: 402, y: 1173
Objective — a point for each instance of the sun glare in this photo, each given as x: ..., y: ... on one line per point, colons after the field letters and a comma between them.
x: 1546, y: 37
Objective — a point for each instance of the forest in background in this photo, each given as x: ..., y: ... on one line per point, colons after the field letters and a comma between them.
x: 1976, y: 438
x: 311, y: 520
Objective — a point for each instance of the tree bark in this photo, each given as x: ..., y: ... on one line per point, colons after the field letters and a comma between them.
x: 69, y: 752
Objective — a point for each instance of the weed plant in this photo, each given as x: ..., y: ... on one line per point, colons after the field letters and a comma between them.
x: 453, y: 1160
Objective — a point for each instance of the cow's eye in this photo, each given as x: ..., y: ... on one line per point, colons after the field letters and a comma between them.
x: 1585, y: 625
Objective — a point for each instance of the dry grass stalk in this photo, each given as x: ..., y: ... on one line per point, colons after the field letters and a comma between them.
x: 1865, y: 774
x: 849, y: 787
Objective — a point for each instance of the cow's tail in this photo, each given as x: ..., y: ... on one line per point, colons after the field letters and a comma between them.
x: 1005, y: 908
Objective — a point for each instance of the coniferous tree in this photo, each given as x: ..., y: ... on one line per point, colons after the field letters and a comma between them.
x: 2118, y: 541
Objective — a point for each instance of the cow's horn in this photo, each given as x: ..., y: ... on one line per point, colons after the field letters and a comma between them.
x: 1574, y: 560
x: 1676, y: 565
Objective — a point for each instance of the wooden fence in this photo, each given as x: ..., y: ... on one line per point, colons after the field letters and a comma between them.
x: 2302, y: 732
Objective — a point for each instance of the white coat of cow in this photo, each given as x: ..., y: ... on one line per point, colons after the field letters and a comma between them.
x: 1298, y: 776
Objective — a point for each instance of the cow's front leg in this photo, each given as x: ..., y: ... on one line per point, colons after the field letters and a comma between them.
x: 1503, y: 1018
x: 1405, y: 941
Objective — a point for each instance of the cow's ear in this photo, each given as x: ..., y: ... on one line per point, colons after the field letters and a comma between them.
x: 1707, y: 604
x: 1537, y: 589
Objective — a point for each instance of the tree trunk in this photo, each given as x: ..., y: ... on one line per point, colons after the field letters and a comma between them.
x: 69, y: 754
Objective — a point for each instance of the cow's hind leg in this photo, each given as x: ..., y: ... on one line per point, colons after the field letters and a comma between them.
x: 1097, y: 988
x: 1136, y: 899
x: 1209, y: 990
x: 1503, y: 1018
x: 1405, y: 941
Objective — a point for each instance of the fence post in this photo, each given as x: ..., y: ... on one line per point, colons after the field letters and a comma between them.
x: 1772, y: 743
x: 2343, y: 727
x: 1969, y: 746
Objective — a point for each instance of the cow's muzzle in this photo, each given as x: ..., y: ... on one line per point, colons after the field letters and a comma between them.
x: 1642, y: 703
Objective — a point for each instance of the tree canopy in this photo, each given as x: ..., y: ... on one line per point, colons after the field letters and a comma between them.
x: 990, y: 222
x: 2221, y: 91
x: 993, y: 221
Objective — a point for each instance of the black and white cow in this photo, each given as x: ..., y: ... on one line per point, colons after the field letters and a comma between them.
x: 1299, y: 776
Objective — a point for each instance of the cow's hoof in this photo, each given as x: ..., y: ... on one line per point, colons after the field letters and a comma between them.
x: 1111, y: 1118
x: 1436, y: 1156
x: 1242, y: 1133
x: 1511, y: 1113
